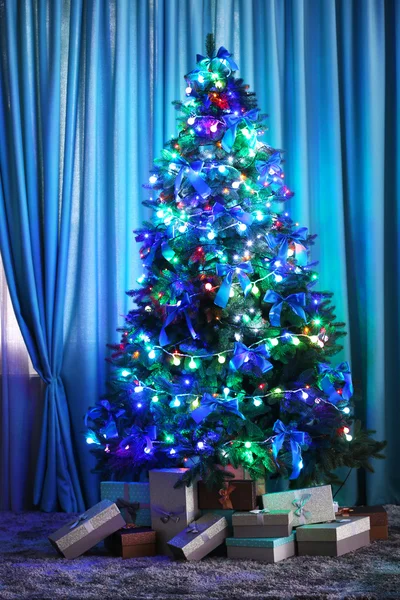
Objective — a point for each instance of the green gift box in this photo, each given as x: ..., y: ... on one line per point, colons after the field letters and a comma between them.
x: 132, y: 498
x: 269, y: 550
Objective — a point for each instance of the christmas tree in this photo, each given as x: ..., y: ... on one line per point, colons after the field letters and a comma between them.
x: 226, y: 356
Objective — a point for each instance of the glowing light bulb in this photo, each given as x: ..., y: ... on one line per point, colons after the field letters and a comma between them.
x: 195, y: 403
x: 160, y: 214
x: 214, y: 128
x: 176, y: 361
x: 222, y: 168
x: 255, y: 290
x: 192, y: 364
x: 278, y: 278
x: 301, y: 465
x: 259, y: 216
x: 304, y: 395
x: 208, y: 287
x: 152, y: 354
x: 274, y: 341
x: 182, y: 229
x: 242, y: 227
x: 349, y: 437
x: 191, y: 120
x: 221, y: 359
x: 257, y: 402
x: 346, y: 430
x: 317, y: 321
x: 226, y: 391
x: 90, y: 440
x: 219, y: 84
x: 127, y: 447
x: 153, y: 179
x: 238, y: 337
x: 200, y: 79
x: 211, y: 235
x: 236, y: 184
x: 188, y: 90
x: 138, y: 389
x: 278, y: 390
x: 295, y: 341
x: 172, y: 451
x: 175, y: 403
x: 247, y: 444
x: 200, y: 445
x: 314, y: 339
x: 346, y: 410
x: 147, y: 450
x: 155, y: 399
x: 139, y: 405
x: 125, y: 373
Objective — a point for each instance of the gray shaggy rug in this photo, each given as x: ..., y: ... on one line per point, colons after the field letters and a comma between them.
x: 30, y: 568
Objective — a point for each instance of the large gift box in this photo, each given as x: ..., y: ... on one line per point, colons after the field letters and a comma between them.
x: 333, y: 539
x: 172, y: 509
x: 269, y: 550
x: 87, y: 530
x: 309, y: 505
x: 132, y: 542
x: 132, y: 498
x: 262, y: 523
x: 200, y: 537
x: 377, y: 516
x: 234, y: 494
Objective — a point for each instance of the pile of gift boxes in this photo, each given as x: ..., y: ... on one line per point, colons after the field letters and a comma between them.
x: 190, y: 522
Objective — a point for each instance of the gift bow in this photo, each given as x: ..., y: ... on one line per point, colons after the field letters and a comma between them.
x: 341, y: 372
x: 236, y: 212
x: 260, y: 512
x: 228, y: 271
x: 264, y: 166
x: 130, y: 508
x: 155, y: 241
x: 225, y: 496
x: 193, y: 171
x: 168, y: 515
x: 209, y: 404
x: 222, y: 55
x: 79, y: 520
x: 110, y: 429
x: 255, y: 356
x: 295, y: 301
x: 173, y: 311
x: 300, y: 511
x: 296, y: 438
x: 232, y: 121
x: 282, y: 240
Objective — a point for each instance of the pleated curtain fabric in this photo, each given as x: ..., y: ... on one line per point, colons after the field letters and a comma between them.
x: 85, y: 104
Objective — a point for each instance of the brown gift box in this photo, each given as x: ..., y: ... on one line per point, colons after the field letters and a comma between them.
x: 172, y: 509
x: 235, y: 494
x: 132, y: 542
x: 87, y: 530
x: 333, y: 539
x: 200, y: 537
x: 377, y: 515
x: 262, y: 524
x: 241, y: 473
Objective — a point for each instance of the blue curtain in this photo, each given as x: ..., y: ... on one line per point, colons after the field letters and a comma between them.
x: 85, y: 104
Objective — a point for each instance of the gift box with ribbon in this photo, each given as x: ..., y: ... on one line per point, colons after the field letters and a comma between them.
x: 132, y: 498
x: 172, y: 508
x: 377, y: 516
x: 88, y: 529
x: 269, y: 550
x: 132, y: 542
x: 309, y: 505
x: 200, y: 537
x: 262, y: 523
x: 333, y: 539
x: 233, y: 495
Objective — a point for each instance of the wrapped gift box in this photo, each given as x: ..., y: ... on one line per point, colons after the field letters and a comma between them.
x: 269, y: 550
x: 87, y: 530
x: 200, y: 537
x: 241, y: 473
x: 259, y: 524
x: 377, y: 516
x: 172, y: 509
x: 132, y: 498
x: 227, y: 514
x: 309, y: 505
x: 333, y: 539
x: 235, y: 494
x: 132, y: 542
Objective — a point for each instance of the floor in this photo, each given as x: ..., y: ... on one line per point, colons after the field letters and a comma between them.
x: 30, y: 568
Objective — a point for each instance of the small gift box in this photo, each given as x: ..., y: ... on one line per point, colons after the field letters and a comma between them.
x: 132, y: 542
x: 262, y: 523
x: 309, y: 505
x: 172, y: 509
x: 269, y: 550
x: 200, y: 537
x: 234, y: 495
x: 88, y: 529
x: 132, y: 498
x: 377, y: 516
x: 333, y: 539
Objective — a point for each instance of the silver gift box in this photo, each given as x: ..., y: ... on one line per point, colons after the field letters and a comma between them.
x: 200, y: 537
x: 309, y: 505
x: 88, y: 529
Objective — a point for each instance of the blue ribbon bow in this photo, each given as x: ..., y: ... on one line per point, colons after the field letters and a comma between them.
x: 110, y: 429
x: 222, y: 55
x: 282, y: 240
x: 173, y: 310
x: 156, y: 240
x: 228, y: 271
x: 192, y: 170
x: 295, y: 438
x: 264, y: 167
x: 256, y: 357
x: 209, y: 404
x: 236, y: 213
x: 295, y: 301
x: 342, y: 373
x: 232, y: 121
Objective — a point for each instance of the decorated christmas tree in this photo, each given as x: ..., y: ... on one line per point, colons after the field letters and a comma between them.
x: 226, y: 356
